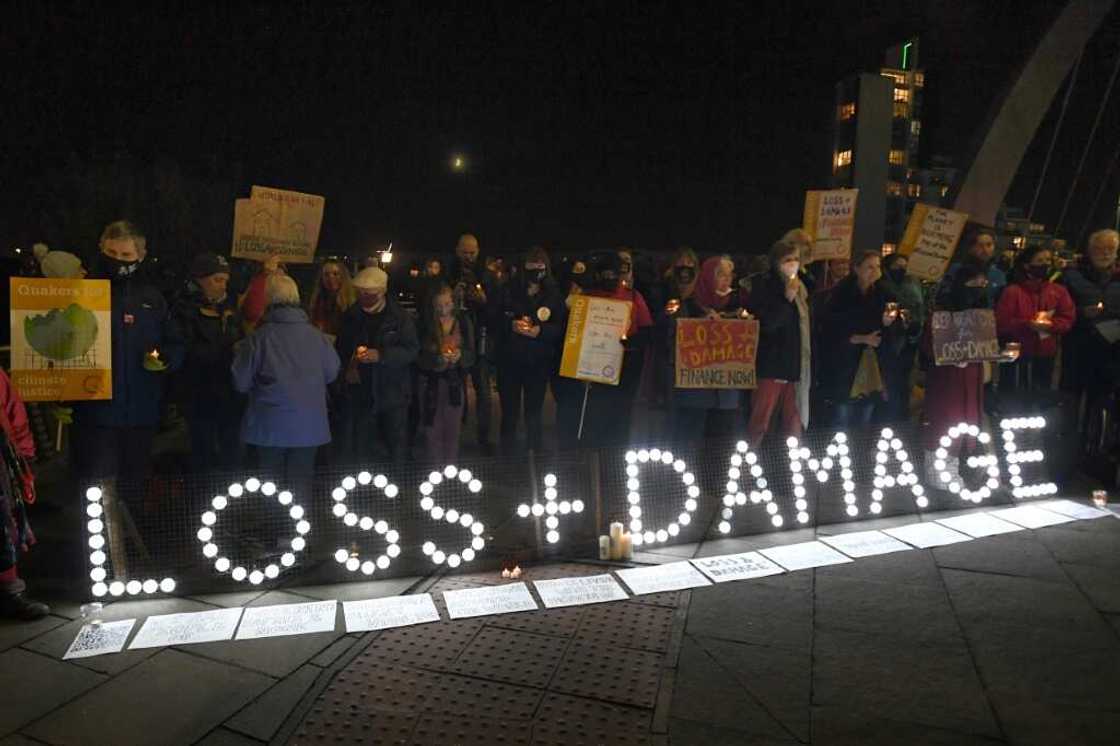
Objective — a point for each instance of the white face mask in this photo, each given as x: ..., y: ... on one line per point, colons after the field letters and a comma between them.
x: 723, y: 292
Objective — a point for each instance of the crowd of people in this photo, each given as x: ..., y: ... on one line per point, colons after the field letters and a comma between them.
x: 369, y: 369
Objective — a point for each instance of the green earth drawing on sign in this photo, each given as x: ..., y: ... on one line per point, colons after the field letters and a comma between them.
x: 61, y: 334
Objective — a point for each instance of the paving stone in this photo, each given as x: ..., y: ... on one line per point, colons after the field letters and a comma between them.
x: 275, y: 656
x: 171, y: 698
x: 562, y: 622
x: 779, y: 679
x: 1100, y: 585
x: 562, y: 720
x: 432, y: 646
x: 229, y: 600
x: 675, y: 550
x: 33, y: 685
x: 439, y: 730
x: 226, y: 737
x: 1005, y: 554
x: 628, y: 677
x: 16, y: 739
x: 13, y: 633
x: 1051, y: 613
x: 332, y: 653
x: 648, y: 558
x: 908, y: 612
x: 933, y: 685
x: 1099, y: 547
x: 514, y: 657
x: 705, y: 690
x: 357, y: 590
x: 753, y: 612
x: 1034, y: 722
x: 838, y: 726
x: 628, y: 625
x: 915, y: 567
x: 1114, y: 620
x: 757, y: 541
x: 263, y: 717
x: 683, y: 732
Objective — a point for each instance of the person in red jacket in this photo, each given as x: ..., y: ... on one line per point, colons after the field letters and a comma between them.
x: 15, y: 481
x: 1033, y: 312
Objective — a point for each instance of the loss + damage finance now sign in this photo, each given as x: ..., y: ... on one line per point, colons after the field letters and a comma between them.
x: 716, y: 353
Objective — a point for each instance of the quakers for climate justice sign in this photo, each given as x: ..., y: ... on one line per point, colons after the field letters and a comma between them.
x: 653, y: 477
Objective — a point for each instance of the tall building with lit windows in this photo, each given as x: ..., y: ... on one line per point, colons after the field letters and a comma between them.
x: 875, y: 145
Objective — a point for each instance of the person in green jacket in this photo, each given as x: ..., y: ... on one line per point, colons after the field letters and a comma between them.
x: 898, y: 362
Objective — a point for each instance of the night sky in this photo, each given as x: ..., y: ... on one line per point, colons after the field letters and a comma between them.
x: 584, y: 126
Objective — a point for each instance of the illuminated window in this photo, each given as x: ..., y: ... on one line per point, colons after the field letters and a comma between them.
x: 914, y: 190
x: 847, y: 111
x: 894, y: 188
x: 1018, y: 242
x: 901, y: 109
x: 915, y: 127
x: 889, y: 248
x: 897, y: 157
x: 897, y: 77
x: 901, y: 94
x: 919, y: 80
x: 843, y: 158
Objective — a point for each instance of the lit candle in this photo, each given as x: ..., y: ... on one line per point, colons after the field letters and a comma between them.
x: 604, y: 547
x: 505, y: 572
x: 616, y: 540
x: 515, y: 572
x: 626, y: 550
x: 1100, y: 498
x: 154, y: 354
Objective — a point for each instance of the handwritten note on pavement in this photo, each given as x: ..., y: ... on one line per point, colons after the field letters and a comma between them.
x: 186, y: 628
x: 500, y: 599
x: 744, y: 566
x: 385, y: 613
x: 592, y: 589
x: 674, y: 576
x: 287, y: 619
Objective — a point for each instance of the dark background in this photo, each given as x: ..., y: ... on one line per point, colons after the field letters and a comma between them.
x: 584, y: 125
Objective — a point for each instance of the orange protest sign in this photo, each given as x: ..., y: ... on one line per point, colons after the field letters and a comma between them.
x: 716, y: 353
x: 830, y: 218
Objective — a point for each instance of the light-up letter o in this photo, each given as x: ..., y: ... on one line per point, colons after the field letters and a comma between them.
x: 452, y: 516
x: 366, y: 523
x: 237, y: 491
x: 634, y: 497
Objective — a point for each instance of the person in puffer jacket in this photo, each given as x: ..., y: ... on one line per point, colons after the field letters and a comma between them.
x: 1034, y: 312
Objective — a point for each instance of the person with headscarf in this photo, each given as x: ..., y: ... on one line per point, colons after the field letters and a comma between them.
x: 529, y: 349
x: 698, y: 413
x: 1036, y: 313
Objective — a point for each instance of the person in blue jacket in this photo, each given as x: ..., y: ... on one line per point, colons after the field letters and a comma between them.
x: 285, y: 367
x: 113, y: 438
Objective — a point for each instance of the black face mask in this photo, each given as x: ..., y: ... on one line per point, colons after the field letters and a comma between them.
x: 970, y: 297
x: 1037, y: 272
x: 535, y: 275
x: 606, y: 281
x: 108, y: 268
x: 897, y: 275
x: 684, y: 275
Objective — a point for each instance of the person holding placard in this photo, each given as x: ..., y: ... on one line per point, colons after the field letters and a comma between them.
x: 1036, y: 313
x: 698, y: 413
x: 857, y: 323
x: 781, y: 302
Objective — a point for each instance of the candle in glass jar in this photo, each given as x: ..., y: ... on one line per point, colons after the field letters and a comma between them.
x: 604, y: 547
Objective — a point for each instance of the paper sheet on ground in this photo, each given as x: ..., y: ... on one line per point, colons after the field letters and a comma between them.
x: 979, y: 525
x: 1074, y: 509
x: 1031, y: 516
x: 187, y: 628
x: 287, y: 619
x: 925, y: 535
x: 743, y: 566
x: 498, y: 599
x: 865, y: 543
x: 805, y: 555
x: 590, y: 589
x: 99, y: 639
x: 674, y: 576
x: 394, y: 611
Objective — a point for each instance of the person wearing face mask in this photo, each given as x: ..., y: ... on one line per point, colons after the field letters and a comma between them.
x: 377, y: 345
x: 780, y: 301
x: 535, y: 316
x: 1089, y: 355
x: 477, y: 291
x: 446, y: 353
x: 954, y: 393
x: 857, y: 326
x: 678, y: 283
x: 1034, y: 312
x: 113, y: 438
x: 898, y: 360
x: 699, y: 413
x: 210, y: 324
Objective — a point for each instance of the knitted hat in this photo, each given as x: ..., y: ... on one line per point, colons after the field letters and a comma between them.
x: 371, y: 278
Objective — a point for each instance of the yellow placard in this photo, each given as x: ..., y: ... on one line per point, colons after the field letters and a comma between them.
x: 277, y: 221
x: 593, y: 340
x: 830, y: 218
x: 62, y: 346
x: 930, y: 240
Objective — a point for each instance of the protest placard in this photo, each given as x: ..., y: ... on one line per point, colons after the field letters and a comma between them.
x: 277, y: 221
x: 964, y: 336
x: 62, y: 346
x: 830, y: 218
x: 716, y: 353
x: 930, y: 239
x: 593, y: 341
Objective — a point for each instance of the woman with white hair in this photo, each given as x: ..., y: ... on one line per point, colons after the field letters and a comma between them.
x: 285, y: 367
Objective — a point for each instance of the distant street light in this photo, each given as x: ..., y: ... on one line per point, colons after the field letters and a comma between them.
x: 458, y: 163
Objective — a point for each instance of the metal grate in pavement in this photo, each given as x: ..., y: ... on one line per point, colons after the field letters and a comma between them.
x: 563, y: 720
x: 641, y: 626
x: 515, y: 657
x: 629, y: 677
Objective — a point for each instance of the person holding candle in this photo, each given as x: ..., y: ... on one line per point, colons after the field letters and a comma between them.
x: 898, y: 361
x: 1034, y: 312
x: 113, y: 438
x: 677, y: 286
x: 378, y: 345
x: 446, y: 353
x: 530, y: 347
x: 1089, y: 359
x: 285, y: 367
